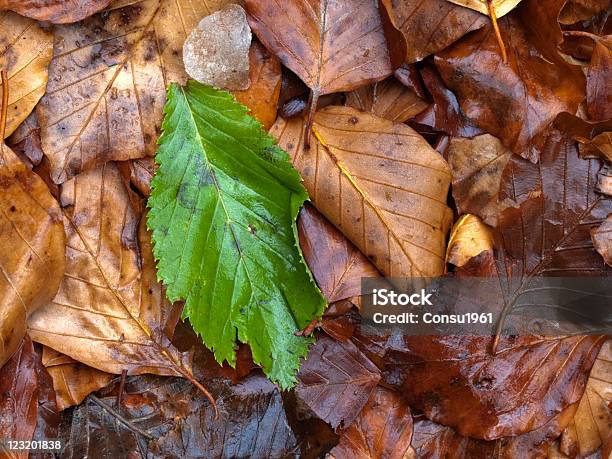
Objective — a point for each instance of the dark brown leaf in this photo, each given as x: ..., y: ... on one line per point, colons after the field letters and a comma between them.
x: 383, y: 429
x: 336, y: 381
x: 599, y: 83
x: 322, y: 43
x: 18, y: 397
x: 518, y: 100
x: 336, y: 264
x: 429, y: 26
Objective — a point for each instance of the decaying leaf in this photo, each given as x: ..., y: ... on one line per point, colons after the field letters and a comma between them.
x: 582, y: 10
x: 336, y: 264
x: 602, y: 239
x: 216, y: 51
x: 599, y: 86
x: 72, y: 380
x: 107, y: 82
x: 518, y: 100
x: 383, y: 429
x: 444, y: 114
x: 458, y: 382
x: 262, y: 96
x: 469, y: 237
x: 592, y: 423
x: 322, y: 43
x: 336, y: 381
x: 477, y: 165
x: 55, y: 11
x: 435, y: 441
x: 25, y: 53
x: 18, y: 398
x: 109, y: 313
x: 32, y: 261
x: 387, y: 99
x: 429, y: 26
x: 501, y: 7
x: 379, y: 183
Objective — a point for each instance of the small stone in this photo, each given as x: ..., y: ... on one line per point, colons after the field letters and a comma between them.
x: 217, y: 50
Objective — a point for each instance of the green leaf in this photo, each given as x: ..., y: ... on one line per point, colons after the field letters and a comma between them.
x: 223, y: 209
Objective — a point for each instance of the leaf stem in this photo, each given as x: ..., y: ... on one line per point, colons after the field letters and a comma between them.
x: 4, y: 110
x: 500, y: 41
x: 129, y: 425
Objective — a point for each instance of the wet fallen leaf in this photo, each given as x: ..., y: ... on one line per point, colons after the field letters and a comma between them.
x: 430, y: 26
x: 30, y: 224
x: 458, y: 382
x: 109, y: 313
x: 435, y: 441
x: 582, y: 10
x: 380, y: 183
x: 599, y: 83
x: 592, y: 423
x: 477, y: 165
x: 518, y: 100
x: 336, y: 264
x: 444, y: 114
x: 262, y: 96
x: 55, y: 11
x: 329, y: 50
x: 501, y: 7
x: 602, y: 239
x: 387, y: 99
x: 469, y: 237
x: 107, y: 82
x: 72, y: 380
x: 336, y: 381
x: 18, y: 398
x: 25, y: 52
x: 216, y: 51
x: 25, y: 141
x: 383, y: 429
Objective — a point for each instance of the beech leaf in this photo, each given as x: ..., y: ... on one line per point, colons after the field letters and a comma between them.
x: 107, y: 82
x: 329, y: 50
x: 31, y: 226
x: 55, y: 11
x: 501, y: 7
x: 223, y: 211
x: 25, y: 53
x: 379, y: 183
x: 469, y: 238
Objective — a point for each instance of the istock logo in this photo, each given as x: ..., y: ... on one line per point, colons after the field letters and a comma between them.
x: 383, y: 297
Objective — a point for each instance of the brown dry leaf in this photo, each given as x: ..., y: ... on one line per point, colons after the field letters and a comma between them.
x: 72, y: 380
x: 216, y: 51
x: 379, y: 183
x: 336, y: 264
x: 602, y: 239
x: 25, y: 52
x: 387, y: 99
x: 107, y: 82
x: 31, y: 226
x: 429, y: 26
x: 383, y: 429
x: 336, y: 381
x: 262, y: 96
x: 477, y: 165
x: 501, y: 7
x: 323, y: 43
x: 55, y: 11
x: 109, y: 313
x: 469, y: 237
x: 592, y: 423
x: 515, y: 101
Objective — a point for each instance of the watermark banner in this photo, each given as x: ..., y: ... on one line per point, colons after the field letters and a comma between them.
x: 547, y: 306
